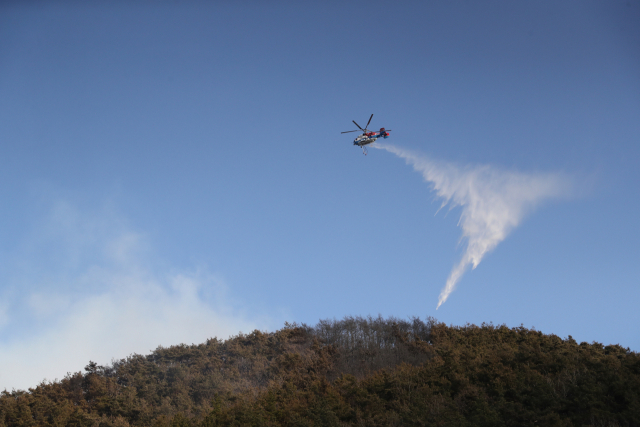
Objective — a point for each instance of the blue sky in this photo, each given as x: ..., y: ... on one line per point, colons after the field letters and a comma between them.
x: 174, y: 172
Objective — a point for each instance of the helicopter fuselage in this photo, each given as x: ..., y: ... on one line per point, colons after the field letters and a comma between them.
x: 368, y: 138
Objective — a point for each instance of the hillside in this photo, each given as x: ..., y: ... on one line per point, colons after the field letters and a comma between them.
x: 356, y: 371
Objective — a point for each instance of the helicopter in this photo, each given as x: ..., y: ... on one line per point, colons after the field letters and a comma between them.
x: 367, y: 136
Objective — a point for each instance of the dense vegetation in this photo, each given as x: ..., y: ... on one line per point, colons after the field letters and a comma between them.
x: 368, y: 372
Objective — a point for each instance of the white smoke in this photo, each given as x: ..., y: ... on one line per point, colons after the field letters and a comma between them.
x: 493, y: 202
x: 98, y: 295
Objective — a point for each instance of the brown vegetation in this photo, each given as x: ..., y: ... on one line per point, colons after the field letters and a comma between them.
x: 369, y: 372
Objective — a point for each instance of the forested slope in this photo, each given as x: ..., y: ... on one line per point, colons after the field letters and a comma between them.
x: 351, y: 372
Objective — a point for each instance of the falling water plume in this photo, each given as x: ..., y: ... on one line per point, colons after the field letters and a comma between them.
x: 493, y: 202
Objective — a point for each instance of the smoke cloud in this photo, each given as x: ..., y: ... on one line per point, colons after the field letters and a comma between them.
x: 98, y: 296
x: 493, y: 202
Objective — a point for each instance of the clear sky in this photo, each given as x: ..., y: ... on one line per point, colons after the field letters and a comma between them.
x: 173, y: 172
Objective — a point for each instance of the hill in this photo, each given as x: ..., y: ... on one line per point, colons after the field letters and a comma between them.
x: 356, y: 371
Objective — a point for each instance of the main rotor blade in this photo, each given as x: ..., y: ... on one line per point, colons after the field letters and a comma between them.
x: 358, y: 125
x: 351, y: 131
x: 369, y: 121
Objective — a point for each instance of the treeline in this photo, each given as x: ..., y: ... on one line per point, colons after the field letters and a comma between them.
x: 355, y: 371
